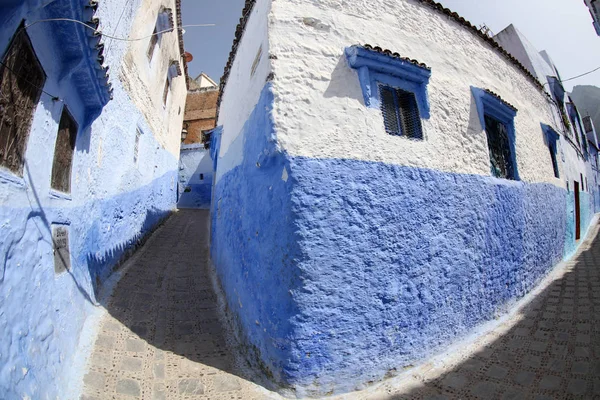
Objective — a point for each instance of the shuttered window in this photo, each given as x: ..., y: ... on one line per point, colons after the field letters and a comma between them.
x: 21, y: 82
x: 400, y: 112
x: 63, y: 152
x: 499, y: 146
x: 554, y: 161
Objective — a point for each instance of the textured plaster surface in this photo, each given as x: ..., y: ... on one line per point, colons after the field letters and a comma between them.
x: 113, y: 204
x: 145, y: 79
x: 322, y: 113
x: 195, y: 177
x: 253, y: 245
x: 376, y: 251
x: 244, y: 89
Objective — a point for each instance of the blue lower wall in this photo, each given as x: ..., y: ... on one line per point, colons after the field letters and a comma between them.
x: 253, y: 245
x: 42, y: 313
x: 398, y: 261
x: 340, y: 272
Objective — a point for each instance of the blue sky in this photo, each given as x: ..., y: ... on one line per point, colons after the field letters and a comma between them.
x: 562, y: 27
x: 210, y: 46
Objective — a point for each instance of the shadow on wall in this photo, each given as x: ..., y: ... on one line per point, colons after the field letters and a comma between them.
x: 340, y: 83
x: 46, y: 229
x: 115, y: 257
x: 552, y: 350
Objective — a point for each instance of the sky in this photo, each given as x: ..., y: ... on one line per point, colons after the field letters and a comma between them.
x: 561, y: 27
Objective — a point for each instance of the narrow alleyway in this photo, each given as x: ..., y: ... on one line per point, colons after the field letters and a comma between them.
x: 162, y: 339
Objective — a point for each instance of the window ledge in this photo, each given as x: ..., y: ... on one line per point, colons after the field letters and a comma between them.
x: 7, y: 177
x: 55, y: 194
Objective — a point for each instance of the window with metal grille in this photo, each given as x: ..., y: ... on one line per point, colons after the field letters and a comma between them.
x: 499, y: 147
x: 136, y: 146
x: 400, y: 112
x: 63, y: 152
x: 21, y: 82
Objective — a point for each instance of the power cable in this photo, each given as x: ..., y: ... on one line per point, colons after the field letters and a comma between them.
x: 579, y: 76
x: 110, y: 36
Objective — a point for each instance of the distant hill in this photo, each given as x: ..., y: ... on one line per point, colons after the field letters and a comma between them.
x: 587, y: 100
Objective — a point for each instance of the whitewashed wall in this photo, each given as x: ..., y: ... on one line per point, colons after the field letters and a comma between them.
x: 142, y: 77
x: 322, y: 113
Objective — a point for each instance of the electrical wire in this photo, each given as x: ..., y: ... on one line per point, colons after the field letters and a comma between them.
x: 579, y: 76
x: 55, y: 98
x: 117, y: 27
x: 110, y: 36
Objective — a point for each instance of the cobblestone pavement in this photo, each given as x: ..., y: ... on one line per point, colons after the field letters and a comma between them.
x: 162, y: 338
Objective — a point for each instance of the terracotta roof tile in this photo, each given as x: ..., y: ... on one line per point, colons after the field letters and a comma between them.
x: 395, y: 55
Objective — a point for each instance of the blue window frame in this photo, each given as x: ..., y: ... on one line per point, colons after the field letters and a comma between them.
x: 552, y: 140
x: 497, y: 118
x: 395, y: 85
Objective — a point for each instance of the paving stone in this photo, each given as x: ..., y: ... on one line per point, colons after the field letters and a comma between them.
x: 128, y: 387
x: 226, y: 383
x: 550, y: 382
x: 513, y: 394
x: 455, y: 380
x: 484, y: 390
x: 190, y: 387
x: 94, y: 380
x: 105, y: 341
x: 135, y: 345
x: 132, y: 364
x: 497, y: 372
x: 577, y: 386
x: 524, y: 378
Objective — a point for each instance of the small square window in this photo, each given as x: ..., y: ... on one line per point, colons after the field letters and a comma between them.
x: 400, y: 112
x: 63, y: 152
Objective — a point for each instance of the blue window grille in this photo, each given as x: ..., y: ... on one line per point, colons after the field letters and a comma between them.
x: 497, y: 118
x: 400, y: 112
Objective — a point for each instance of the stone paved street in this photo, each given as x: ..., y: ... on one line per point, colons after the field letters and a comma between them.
x: 162, y: 337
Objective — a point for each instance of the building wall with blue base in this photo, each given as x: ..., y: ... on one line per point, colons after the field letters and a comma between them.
x: 121, y: 189
x: 340, y: 272
x: 195, y: 177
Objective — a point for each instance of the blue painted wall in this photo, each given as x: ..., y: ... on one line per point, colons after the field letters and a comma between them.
x: 340, y: 271
x: 195, y: 177
x: 113, y: 204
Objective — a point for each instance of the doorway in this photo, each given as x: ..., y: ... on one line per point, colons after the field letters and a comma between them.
x: 577, y: 212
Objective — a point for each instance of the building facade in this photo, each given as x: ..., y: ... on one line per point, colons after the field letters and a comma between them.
x: 372, y: 206
x: 90, y: 132
x: 195, y: 165
x: 594, y: 7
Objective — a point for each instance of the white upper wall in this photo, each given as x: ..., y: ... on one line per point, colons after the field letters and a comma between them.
x: 319, y: 109
x: 141, y: 76
x: 243, y: 88
x: 205, y: 81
